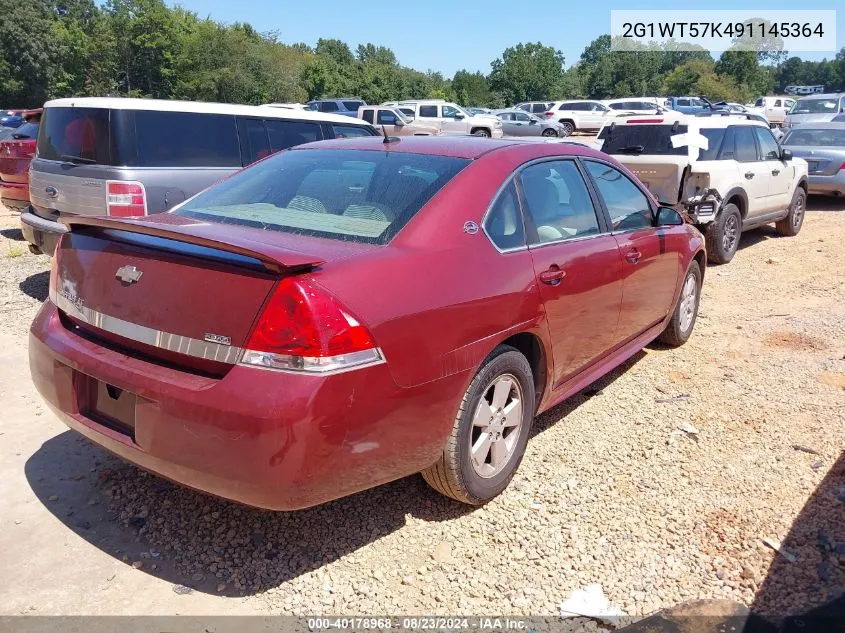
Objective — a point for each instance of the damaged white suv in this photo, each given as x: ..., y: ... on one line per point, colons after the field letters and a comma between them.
x: 725, y: 171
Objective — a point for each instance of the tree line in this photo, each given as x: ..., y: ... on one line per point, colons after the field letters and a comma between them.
x: 60, y: 48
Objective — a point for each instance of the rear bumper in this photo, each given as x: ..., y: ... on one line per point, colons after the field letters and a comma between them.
x: 14, y: 195
x: 41, y: 233
x: 827, y: 185
x: 275, y: 440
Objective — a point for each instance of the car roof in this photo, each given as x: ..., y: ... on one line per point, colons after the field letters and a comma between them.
x: 469, y: 147
x: 204, y: 107
x: 820, y: 125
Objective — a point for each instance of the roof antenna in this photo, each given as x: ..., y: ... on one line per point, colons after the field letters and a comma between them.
x: 388, y: 139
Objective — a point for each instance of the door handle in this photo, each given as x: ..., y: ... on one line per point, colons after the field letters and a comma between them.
x: 775, y: 172
x: 749, y: 175
x: 553, y: 275
x: 633, y: 255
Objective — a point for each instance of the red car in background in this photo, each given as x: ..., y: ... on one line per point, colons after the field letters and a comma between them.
x: 350, y: 312
x: 16, y: 152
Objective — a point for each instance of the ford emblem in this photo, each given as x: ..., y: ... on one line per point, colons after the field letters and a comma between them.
x: 51, y: 191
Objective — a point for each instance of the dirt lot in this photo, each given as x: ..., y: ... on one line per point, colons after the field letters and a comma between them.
x: 611, y: 490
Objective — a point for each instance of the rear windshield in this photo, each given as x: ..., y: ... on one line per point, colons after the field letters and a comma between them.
x: 821, y: 137
x: 75, y: 134
x: 655, y: 140
x: 815, y: 106
x: 353, y: 105
x: 349, y: 195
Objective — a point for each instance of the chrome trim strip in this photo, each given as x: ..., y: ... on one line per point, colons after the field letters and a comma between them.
x: 146, y: 335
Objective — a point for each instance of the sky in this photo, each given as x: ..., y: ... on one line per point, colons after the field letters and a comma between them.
x: 450, y: 35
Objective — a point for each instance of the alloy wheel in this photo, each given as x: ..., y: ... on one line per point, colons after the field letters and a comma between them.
x: 688, y: 302
x: 729, y: 235
x: 496, y: 426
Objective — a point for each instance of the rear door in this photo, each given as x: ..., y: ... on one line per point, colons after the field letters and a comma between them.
x: 650, y: 255
x: 576, y: 262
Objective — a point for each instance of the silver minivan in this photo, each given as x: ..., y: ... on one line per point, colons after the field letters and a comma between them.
x: 815, y: 109
x: 125, y: 157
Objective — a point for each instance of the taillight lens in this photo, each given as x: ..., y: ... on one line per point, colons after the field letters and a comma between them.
x: 54, y: 271
x: 125, y: 199
x: 550, y: 114
x: 304, y: 328
x: 841, y: 167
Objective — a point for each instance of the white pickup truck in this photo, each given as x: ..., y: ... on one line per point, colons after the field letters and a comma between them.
x: 452, y: 118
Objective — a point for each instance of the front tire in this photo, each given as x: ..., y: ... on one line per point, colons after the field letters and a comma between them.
x: 567, y: 128
x: 481, y: 132
x: 549, y: 132
x: 680, y: 326
x: 792, y: 223
x: 490, y: 433
x: 722, y: 235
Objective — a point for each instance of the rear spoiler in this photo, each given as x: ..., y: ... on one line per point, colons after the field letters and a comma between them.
x: 238, y: 240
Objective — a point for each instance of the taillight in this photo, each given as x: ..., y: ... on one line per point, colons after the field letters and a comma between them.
x: 841, y: 167
x: 304, y: 328
x: 125, y: 198
x: 550, y: 114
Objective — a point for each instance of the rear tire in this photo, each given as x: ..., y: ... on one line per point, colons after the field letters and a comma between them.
x: 549, y: 132
x: 722, y: 235
x: 481, y: 132
x: 567, y: 128
x: 681, y: 324
x: 791, y: 224
x: 478, y: 460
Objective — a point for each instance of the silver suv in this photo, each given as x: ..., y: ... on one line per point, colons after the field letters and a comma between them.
x: 124, y: 157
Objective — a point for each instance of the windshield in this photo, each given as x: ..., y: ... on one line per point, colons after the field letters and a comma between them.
x: 815, y: 106
x: 819, y: 137
x: 350, y: 195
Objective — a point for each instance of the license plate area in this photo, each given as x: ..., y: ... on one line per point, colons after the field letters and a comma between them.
x: 106, y: 404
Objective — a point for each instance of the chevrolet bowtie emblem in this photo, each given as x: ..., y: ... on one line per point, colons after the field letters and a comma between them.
x: 128, y: 274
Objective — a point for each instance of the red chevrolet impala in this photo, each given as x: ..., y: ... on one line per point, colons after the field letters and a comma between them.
x: 350, y: 312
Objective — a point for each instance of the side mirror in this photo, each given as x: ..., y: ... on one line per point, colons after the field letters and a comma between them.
x: 459, y: 117
x: 532, y: 121
x: 397, y: 121
x: 667, y: 216
x: 785, y: 154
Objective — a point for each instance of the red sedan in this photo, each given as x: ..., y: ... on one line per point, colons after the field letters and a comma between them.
x: 350, y: 312
x: 16, y: 152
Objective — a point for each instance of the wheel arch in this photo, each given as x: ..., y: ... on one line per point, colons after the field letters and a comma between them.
x: 739, y: 197
x: 530, y: 346
x: 481, y: 127
x: 802, y: 183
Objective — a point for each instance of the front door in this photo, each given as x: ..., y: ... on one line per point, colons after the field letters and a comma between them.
x: 388, y: 118
x: 650, y: 260
x: 753, y: 173
x: 454, y: 120
x: 577, y: 264
x: 779, y: 171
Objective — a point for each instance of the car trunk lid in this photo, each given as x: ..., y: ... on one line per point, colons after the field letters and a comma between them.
x: 171, y: 291
x: 820, y: 161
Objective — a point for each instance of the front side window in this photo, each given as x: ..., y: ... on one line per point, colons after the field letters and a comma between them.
x: 506, y: 116
x: 504, y: 222
x: 760, y: 102
x: 386, y: 117
x: 348, y: 195
x: 558, y: 202
x: 768, y: 145
x: 521, y: 117
x: 627, y: 205
x: 451, y: 112
x: 683, y: 102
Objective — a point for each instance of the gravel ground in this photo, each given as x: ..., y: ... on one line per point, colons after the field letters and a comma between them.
x: 611, y: 491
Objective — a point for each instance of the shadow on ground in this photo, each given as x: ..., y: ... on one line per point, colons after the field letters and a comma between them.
x: 12, y: 234
x: 37, y: 285
x: 826, y: 203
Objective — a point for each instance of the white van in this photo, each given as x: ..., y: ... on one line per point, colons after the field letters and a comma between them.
x: 123, y: 157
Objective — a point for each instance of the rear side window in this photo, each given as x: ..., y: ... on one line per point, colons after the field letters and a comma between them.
x: 746, y: 150
x: 368, y: 116
x: 186, y: 139
x: 350, y: 131
x: 285, y: 134
x: 328, y: 106
x: 428, y: 111
x: 254, y: 143
x: 75, y: 134
x: 353, y: 105
x: 349, y: 195
x: 504, y: 223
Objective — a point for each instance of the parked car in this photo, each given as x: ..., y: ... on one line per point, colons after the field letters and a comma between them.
x: 633, y: 106
x: 452, y: 118
x: 122, y: 157
x: 520, y: 123
x: 688, y: 105
x: 725, y: 171
x: 395, y: 123
x: 815, y: 109
x: 535, y: 107
x: 822, y: 145
x: 16, y: 153
x: 289, y: 106
x: 328, y: 372
x: 347, y: 106
x: 477, y: 111
x: 12, y: 118
x: 578, y: 116
x: 773, y: 108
